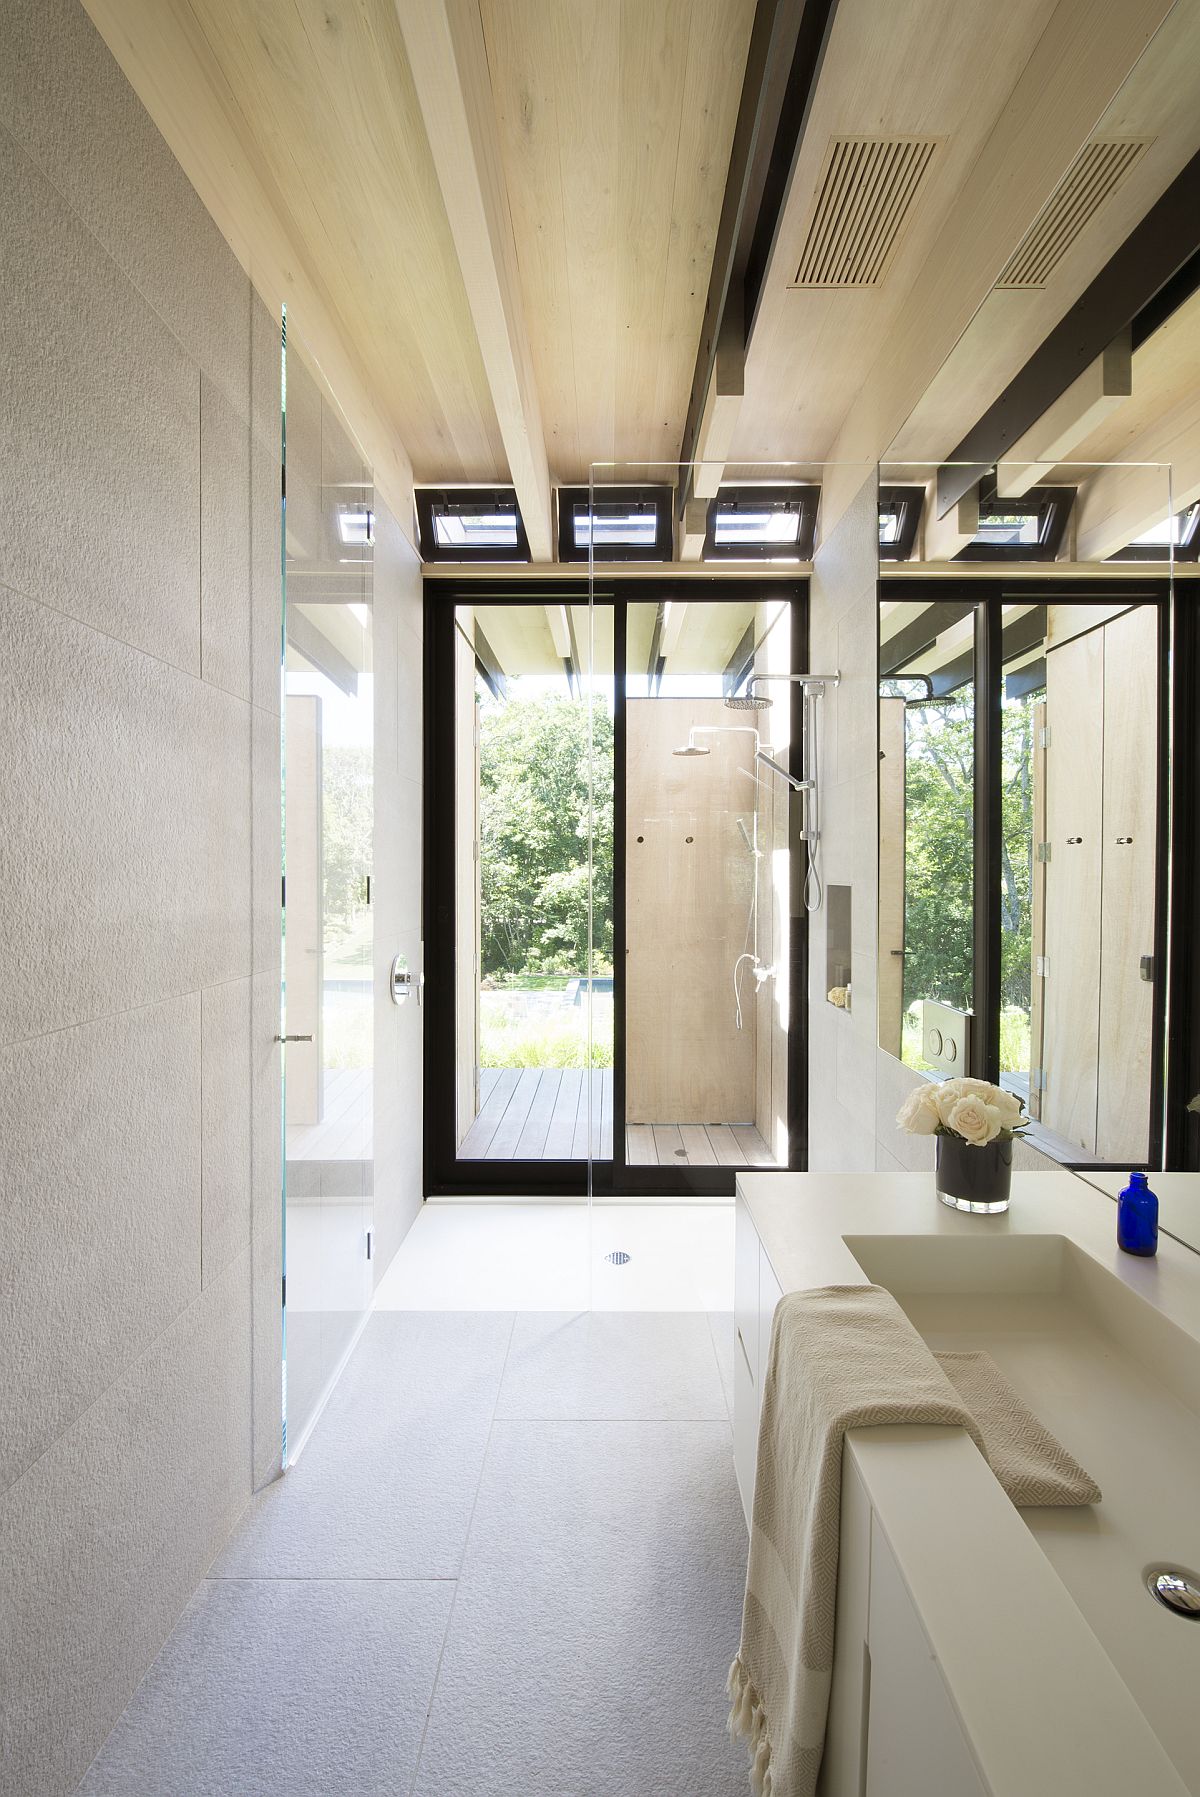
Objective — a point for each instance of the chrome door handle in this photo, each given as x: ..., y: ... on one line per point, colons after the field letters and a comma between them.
x: 293, y: 1038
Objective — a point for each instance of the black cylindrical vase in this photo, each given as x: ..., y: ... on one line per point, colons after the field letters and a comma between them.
x: 974, y: 1179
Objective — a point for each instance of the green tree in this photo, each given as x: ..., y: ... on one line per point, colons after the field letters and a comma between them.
x: 534, y: 756
x: 347, y: 807
x: 939, y: 852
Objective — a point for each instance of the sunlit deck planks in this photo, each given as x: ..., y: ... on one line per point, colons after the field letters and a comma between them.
x: 547, y: 1113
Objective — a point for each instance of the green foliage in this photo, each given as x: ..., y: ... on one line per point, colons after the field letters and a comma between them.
x: 347, y: 814
x: 534, y: 758
x: 939, y: 852
x: 939, y: 856
x: 527, y: 1042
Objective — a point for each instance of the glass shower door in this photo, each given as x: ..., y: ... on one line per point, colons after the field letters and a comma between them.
x: 328, y: 846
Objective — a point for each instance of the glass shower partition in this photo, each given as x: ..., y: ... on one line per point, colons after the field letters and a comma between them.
x: 329, y: 995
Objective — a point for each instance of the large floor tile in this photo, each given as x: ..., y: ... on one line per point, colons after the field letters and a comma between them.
x: 385, y: 1487
x: 596, y: 1618
x: 491, y: 1257
x: 282, y: 1689
x: 599, y: 1365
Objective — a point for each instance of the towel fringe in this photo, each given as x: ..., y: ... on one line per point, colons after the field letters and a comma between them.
x: 748, y: 1722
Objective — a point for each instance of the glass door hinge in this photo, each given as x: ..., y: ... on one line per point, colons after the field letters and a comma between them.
x: 1037, y: 1079
x: 1044, y: 737
x: 1043, y: 851
x: 1042, y: 966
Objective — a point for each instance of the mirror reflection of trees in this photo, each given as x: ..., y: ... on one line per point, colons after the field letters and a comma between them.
x: 939, y: 867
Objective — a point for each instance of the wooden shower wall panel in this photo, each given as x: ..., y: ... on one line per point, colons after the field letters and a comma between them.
x: 1127, y: 910
x: 890, y: 974
x: 1074, y: 819
x: 688, y: 888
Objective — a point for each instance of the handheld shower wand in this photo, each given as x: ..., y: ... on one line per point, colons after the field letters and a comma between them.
x: 813, y: 686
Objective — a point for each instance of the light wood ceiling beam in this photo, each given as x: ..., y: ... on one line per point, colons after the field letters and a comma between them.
x: 693, y: 527
x: 1087, y: 402
x: 944, y: 537
x: 446, y: 50
x: 1118, y: 504
x: 1035, y: 139
x: 722, y: 407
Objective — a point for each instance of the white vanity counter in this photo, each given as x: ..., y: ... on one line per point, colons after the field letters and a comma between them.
x: 1011, y: 1652
x: 1178, y: 1197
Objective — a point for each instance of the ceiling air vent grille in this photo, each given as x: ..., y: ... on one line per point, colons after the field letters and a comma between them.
x: 1096, y: 172
x: 867, y: 193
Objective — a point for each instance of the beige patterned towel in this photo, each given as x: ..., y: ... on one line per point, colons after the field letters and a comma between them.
x: 842, y: 1357
x: 1030, y: 1463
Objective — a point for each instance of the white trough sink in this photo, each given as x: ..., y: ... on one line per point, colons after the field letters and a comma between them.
x: 1119, y: 1384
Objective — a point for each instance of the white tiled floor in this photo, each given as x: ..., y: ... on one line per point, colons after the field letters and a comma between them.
x: 537, y: 1256
x: 509, y: 1563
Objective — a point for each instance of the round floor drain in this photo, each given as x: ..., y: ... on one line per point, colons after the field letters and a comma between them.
x: 681, y: 1154
x: 618, y: 1258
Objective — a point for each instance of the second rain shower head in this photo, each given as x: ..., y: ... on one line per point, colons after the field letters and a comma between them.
x: 748, y: 702
x: 691, y: 749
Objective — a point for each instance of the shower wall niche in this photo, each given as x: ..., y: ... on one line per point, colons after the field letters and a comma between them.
x: 837, y: 946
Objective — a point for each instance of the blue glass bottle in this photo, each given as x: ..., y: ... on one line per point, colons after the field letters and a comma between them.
x: 1137, y: 1217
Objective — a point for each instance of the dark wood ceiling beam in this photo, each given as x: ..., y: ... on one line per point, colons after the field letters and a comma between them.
x: 1146, y: 265
x: 787, y: 47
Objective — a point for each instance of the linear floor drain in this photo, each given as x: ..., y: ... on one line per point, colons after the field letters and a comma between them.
x: 618, y: 1258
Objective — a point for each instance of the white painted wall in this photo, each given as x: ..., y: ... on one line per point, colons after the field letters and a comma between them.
x: 396, y: 884
x: 139, y: 893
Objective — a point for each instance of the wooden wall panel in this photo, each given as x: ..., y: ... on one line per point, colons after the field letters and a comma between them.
x: 1074, y: 820
x: 1127, y: 910
x: 688, y: 888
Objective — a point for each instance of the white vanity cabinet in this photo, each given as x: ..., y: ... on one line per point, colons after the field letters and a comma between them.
x: 756, y: 1292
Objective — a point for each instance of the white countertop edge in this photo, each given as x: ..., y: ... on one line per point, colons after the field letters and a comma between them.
x: 1046, y: 1711
x: 1007, y: 1635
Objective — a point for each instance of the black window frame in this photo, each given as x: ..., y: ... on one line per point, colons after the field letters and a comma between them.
x: 660, y: 498
x: 807, y: 499
x: 445, y: 1175
x: 1186, y: 550
x: 495, y: 498
x: 1050, y: 505
x: 1177, y: 860
x: 910, y: 502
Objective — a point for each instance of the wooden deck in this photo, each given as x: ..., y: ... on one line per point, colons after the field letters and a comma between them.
x: 543, y: 1114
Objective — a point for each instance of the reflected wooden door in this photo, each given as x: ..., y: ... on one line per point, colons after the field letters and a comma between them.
x: 1074, y: 820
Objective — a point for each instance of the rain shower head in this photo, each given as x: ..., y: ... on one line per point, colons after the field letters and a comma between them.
x: 748, y: 701
x: 691, y: 749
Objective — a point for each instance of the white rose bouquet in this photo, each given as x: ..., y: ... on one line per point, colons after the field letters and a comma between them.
x: 972, y: 1109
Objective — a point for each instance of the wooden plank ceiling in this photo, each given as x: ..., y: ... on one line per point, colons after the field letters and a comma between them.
x: 938, y: 132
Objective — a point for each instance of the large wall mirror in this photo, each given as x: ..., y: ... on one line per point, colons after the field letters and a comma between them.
x: 1023, y: 799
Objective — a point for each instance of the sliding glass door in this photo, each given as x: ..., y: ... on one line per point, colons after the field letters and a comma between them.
x: 614, y: 956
